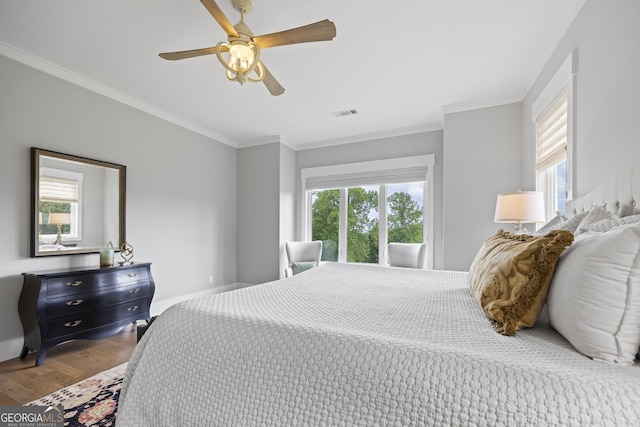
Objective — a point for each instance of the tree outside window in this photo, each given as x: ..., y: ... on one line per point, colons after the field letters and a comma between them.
x: 404, y: 215
x: 325, y: 220
x: 404, y: 221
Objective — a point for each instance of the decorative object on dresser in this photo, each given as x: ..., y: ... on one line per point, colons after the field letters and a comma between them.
x: 126, y: 252
x: 106, y: 255
x: 88, y: 302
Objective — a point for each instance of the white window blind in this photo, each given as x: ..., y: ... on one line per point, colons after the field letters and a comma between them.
x: 551, y: 135
x: 359, y: 179
x: 58, y: 190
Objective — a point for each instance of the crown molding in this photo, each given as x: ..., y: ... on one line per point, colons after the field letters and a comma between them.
x: 62, y: 73
x: 482, y: 103
x: 367, y: 137
x: 260, y: 141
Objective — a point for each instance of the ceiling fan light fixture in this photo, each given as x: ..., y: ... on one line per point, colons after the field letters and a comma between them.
x: 242, y: 53
x: 243, y: 59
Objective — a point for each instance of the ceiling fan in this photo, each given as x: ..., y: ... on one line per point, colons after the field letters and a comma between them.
x: 242, y: 48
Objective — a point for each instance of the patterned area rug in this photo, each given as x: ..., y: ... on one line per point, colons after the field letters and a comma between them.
x: 90, y: 402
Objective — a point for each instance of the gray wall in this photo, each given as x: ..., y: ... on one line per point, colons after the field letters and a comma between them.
x: 607, y: 38
x: 266, y: 208
x: 401, y: 146
x: 181, y: 189
x: 482, y: 152
x: 287, y: 202
x: 258, y: 213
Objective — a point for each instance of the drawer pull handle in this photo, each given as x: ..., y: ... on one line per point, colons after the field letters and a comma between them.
x: 72, y: 324
x: 76, y: 302
x: 134, y: 291
x: 132, y: 274
x: 74, y: 284
x: 134, y: 308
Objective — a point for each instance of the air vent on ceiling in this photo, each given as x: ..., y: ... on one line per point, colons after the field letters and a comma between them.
x: 344, y: 113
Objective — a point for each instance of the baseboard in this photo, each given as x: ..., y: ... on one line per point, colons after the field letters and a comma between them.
x: 240, y: 285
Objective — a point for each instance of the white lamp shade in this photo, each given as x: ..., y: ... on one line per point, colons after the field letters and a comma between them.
x: 59, y: 218
x: 520, y: 207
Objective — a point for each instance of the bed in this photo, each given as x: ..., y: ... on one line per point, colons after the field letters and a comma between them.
x: 365, y: 345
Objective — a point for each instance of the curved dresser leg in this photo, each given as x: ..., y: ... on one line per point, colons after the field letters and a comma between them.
x: 41, y: 355
x: 24, y: 352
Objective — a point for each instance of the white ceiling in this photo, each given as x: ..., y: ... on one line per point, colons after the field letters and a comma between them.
x: 398, y: 63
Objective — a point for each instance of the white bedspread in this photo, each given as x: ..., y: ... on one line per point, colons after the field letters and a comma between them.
x: 359, y: 345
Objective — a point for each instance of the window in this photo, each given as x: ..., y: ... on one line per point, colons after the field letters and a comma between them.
x: 553, y: 117
x: 326, y: 221
x: 356, y: 209
x: 59, y: 192
x: 551, y: 155
x: 405, y: 220
x: 362, y: 224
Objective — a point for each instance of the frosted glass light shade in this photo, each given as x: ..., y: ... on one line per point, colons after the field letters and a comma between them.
x: 520, y: 207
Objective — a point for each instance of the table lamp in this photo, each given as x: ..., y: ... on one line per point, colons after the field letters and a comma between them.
x: 520, y: 207
x: 60, y: 219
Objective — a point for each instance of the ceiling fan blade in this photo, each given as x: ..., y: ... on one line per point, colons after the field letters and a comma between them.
x: 183, y: 54
x: 317, y: 32
x: 274, y: 87
x: 219, y: 16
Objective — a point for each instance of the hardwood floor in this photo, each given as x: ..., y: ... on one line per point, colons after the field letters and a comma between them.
x: 21, y: 381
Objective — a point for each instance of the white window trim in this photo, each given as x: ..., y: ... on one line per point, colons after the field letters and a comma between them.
x: 382, y: 225
x: 563, y: 80
x: 427, y: 160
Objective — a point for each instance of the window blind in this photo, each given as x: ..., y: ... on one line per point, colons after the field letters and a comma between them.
x: 58, y: 190
x: 359, y: 179
x: 551, y: 135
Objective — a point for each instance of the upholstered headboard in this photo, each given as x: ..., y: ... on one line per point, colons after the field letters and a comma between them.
x: 622, y: 191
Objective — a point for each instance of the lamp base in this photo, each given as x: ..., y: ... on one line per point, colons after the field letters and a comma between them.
x: 59, y: 237
x: 520, y: 229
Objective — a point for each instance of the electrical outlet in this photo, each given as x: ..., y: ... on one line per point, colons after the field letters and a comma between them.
x: 211, y: 279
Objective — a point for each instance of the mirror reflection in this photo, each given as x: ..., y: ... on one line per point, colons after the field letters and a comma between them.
x: 78, y: 204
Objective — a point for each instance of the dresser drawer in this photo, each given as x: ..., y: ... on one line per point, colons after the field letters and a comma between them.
x: 72, y: 284
x: 85, y: 320
x: 83, y: 283
x: 130, y: 275
x: 71, y: 304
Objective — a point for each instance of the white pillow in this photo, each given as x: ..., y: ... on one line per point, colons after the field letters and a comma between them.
x: 594, y: 296
x: 596, y: 214
x: 608, y: 224
x: 572, y: 223
x: 626, y: 209
x: 554, y: 223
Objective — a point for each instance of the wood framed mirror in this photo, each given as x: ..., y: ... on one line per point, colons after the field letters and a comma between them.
x: 77, y: 204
